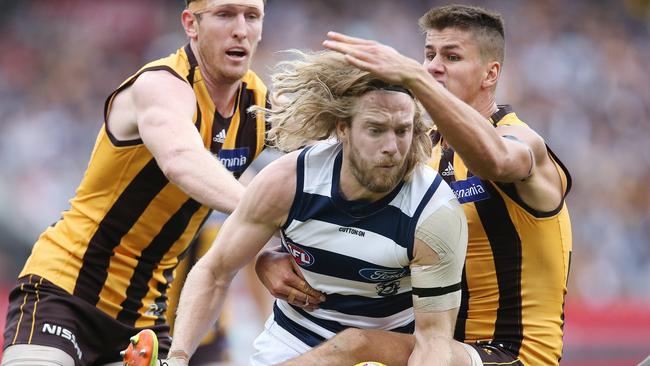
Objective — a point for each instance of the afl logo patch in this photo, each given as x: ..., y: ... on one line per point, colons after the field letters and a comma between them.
x: 301, y: 256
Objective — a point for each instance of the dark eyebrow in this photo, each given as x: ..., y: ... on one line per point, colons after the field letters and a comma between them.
x: 444, y: 48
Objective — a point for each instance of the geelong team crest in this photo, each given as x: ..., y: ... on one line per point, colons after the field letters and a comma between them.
x: 387, y: 288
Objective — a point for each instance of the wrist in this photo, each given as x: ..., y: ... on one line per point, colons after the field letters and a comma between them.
x: 179, y: 354
x: 419, y: 76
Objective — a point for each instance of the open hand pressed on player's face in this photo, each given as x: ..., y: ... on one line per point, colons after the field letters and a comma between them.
x: 380, y: 60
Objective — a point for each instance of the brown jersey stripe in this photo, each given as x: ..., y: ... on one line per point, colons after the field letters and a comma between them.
x: 267, y: 124
x: 247, y: 134
x: 461, y: 319
x: 502, y: 111
x: 149, y: 259
x: 191, y: 59
x: 168, y: 274
x: 506, y: 251
x: 446, y: 159
x: 116, y: 223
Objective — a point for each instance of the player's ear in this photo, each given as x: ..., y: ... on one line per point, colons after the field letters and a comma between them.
x: 190, y: 24
x: 342, y: 130
x: 492, y: 74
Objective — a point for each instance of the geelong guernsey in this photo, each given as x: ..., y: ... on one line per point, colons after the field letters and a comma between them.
x: 356, y: 252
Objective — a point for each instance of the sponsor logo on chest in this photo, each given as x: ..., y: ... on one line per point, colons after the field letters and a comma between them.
x: 349, y: 230
x: 382, y: 275
x: 234, y: 160
x: 470, y: 190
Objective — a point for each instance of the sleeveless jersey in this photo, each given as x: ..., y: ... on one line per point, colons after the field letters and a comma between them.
x: 118, y: 244
x: 517, y: 263
x: 357, y: 253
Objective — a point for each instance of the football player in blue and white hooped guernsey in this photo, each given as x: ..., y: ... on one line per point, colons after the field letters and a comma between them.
x: 367, y: 223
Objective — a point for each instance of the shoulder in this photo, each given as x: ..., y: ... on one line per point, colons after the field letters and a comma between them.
x: 430, y: 185
x: 160, y: 88
x: 510, y: 126
x: 270, y: 194
x: 155, y: 79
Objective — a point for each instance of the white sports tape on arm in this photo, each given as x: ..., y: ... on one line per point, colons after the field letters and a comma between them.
x: 437, y: 287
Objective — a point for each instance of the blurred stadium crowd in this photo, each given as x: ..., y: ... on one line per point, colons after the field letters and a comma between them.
x: 576, y: 71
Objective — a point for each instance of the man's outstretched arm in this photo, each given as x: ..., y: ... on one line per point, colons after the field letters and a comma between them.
x: 261, y: 212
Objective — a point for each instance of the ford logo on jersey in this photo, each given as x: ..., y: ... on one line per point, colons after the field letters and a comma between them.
x: 234, y: 159
x: 302, y: 257
x: 382, y: 275
x: 470, y: 190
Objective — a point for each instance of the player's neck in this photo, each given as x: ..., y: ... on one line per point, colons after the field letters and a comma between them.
x: 485, y: 104
x: 223, y: 94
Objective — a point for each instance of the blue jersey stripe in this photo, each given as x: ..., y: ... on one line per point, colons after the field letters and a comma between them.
x: 300, y: 182
x: 305, y: 335
x: 408, y: 328
x: 342, y: 266
x: 336, y: 327
x: 389, y: 222
x: 367, y: 306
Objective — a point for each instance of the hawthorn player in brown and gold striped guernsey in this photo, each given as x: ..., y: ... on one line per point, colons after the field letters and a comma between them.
x: 515, y: 274
x: 510, y: 184
x: 101, y: 272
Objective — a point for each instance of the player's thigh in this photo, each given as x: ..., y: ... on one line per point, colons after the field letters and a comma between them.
x: 35, y: 355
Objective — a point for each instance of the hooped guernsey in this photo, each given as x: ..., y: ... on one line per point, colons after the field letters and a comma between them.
x: 119, y: 243
x: 356, y: 252
x: 517, y: 265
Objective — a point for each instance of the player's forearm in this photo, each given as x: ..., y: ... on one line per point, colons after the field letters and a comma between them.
x: 199, y: 307
x: 462, y: 126
x: 203, y: 178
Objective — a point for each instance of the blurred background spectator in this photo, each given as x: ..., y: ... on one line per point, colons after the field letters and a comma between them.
x: 576, y: 71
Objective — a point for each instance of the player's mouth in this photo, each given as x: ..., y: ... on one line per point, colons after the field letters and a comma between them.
x: 237, y: 53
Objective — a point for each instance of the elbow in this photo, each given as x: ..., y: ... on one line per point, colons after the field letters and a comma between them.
x: 172, y: 166
x: 172, y: 173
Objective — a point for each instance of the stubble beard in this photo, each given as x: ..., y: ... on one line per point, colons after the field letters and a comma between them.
x: 370, y: 178
x: 220, y: 71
